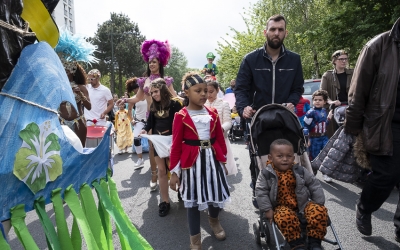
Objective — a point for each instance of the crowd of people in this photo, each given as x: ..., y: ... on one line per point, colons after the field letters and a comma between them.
x: 198, y: 121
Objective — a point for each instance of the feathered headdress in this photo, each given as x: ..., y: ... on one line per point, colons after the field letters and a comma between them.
x: 73, y: 49
x: 156, y: 49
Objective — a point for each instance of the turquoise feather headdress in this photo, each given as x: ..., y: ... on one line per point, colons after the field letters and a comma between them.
x: 73, y: 49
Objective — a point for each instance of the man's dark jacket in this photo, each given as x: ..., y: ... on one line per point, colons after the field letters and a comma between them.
x: 260, y: 81
x: 373, y: 91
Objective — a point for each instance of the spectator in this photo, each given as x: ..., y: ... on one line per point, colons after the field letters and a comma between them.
x: 232, y: 87
x: 374, y: 110
x: 101, y: 99
x: 337, y: 83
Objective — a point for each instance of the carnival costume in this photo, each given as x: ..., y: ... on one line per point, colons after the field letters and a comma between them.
x: 72, y: 50
x: 198, y: 153
x: 124, y: 130
x: 154, y: 49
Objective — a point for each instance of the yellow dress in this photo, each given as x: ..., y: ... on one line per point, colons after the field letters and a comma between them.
x: 124, y: 130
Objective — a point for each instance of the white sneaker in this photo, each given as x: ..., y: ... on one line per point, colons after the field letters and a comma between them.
x: 139, y: 162
x: 327, y: 178
x: 153, y: 186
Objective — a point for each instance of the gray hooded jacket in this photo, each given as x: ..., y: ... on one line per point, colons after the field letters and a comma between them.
x: 307, y: 188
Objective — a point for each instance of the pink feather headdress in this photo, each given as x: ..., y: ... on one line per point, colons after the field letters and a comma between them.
x: 156, y: 49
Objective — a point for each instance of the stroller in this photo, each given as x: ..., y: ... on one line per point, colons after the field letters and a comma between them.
x: 269, y: 123
x: 236, y: 132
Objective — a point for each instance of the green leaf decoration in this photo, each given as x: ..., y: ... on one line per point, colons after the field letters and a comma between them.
x: 38, y: 161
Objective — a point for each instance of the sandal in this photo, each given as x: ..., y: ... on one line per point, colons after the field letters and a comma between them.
x: 163, y: 209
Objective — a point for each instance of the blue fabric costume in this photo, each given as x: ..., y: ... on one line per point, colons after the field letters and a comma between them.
x: 316, y: 120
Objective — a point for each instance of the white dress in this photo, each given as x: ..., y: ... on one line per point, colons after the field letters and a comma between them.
x: 205, y: 182
x: 224, y: 114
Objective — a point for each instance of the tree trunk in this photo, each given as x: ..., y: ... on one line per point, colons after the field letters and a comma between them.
x: 316, y: 64
x: 120, y: 81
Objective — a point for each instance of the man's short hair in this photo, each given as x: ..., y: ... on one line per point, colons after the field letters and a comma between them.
x: 276, y: 18
x: 322, y: 93
x: 95, y: 73
x: 279, y: 142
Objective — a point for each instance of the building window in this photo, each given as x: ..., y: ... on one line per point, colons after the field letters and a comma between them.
x: 65, y: 7
x: 65, y: 21
x: 71, y: 28
x: 70, y: 2
x: 70, y: 15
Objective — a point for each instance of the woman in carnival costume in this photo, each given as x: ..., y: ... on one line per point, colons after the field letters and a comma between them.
x: 162, y: 111
x: 72, y: 50
x: 198, y: 154
x: 156, y: 54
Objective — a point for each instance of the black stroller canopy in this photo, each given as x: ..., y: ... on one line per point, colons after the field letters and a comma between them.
x: 272, y: 122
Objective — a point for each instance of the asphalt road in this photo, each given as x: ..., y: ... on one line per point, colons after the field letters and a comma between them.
x: 171, y: 232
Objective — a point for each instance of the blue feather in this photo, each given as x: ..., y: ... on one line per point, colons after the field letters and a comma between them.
x: 75, y: 48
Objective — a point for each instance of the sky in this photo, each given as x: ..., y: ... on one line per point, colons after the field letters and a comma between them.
x: 194, y: 27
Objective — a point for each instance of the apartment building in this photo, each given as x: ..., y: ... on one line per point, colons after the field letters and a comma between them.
x: 64, y: 15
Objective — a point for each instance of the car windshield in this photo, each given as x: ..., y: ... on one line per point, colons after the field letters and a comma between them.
x: 311, y: 87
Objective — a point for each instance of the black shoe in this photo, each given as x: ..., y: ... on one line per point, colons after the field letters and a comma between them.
x: 255, y: 203
x: 163, y: 209
x: 314, y: 243
x: 397, y: 236
x: 297, y: 244
x: 363, y: 222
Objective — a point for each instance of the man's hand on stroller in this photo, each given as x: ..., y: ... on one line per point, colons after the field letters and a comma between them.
x: 248, y: 112
x: 269, y: 215
x: 289, y: 105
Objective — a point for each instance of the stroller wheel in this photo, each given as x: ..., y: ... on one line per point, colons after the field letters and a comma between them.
x: 257, y: 235
x: 266, y: 232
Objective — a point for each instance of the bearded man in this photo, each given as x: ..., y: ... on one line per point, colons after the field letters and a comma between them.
x: 270, y: 74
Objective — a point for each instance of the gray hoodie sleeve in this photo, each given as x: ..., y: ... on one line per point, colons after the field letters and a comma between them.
x: 262, y: 193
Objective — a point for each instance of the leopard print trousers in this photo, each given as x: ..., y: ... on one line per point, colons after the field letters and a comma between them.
x: 288, y: 223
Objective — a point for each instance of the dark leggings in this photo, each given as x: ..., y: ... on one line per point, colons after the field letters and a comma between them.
x: 193, y: 215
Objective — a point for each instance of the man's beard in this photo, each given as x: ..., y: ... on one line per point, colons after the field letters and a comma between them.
x: 274, y: 45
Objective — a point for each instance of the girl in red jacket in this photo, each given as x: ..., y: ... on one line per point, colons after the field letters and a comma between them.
x: 197, y: 158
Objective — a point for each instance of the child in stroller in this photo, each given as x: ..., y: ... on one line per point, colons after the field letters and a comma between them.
x: 236, y: 131
x: 285, y: 188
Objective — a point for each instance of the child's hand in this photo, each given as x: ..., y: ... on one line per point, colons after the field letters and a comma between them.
x: 226, y: 170
x: 269, y: 215
x: 330, y: 114
x: 174, y: 182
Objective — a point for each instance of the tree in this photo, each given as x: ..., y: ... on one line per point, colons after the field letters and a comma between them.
x: 121, y: 38
x: 176, y: 67
x: 316, y: 28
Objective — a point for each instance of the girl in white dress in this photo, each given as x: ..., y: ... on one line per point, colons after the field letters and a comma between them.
x: 224, y: 114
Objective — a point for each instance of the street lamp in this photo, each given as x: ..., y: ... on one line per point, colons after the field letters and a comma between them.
x: 112, y: 55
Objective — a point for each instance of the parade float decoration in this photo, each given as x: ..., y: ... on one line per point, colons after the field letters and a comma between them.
x: 38, y: 163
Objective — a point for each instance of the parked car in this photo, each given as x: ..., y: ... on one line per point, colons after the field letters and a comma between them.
x: 310, y: 86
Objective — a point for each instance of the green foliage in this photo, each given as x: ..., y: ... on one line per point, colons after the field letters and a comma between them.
x: 316, y: 28
x: 122, y: 38
x: 176, y: 67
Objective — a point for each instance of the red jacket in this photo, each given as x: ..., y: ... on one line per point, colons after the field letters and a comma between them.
x: 184, y: 128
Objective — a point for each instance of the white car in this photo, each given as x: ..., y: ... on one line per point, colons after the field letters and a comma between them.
x: 310, y: 86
